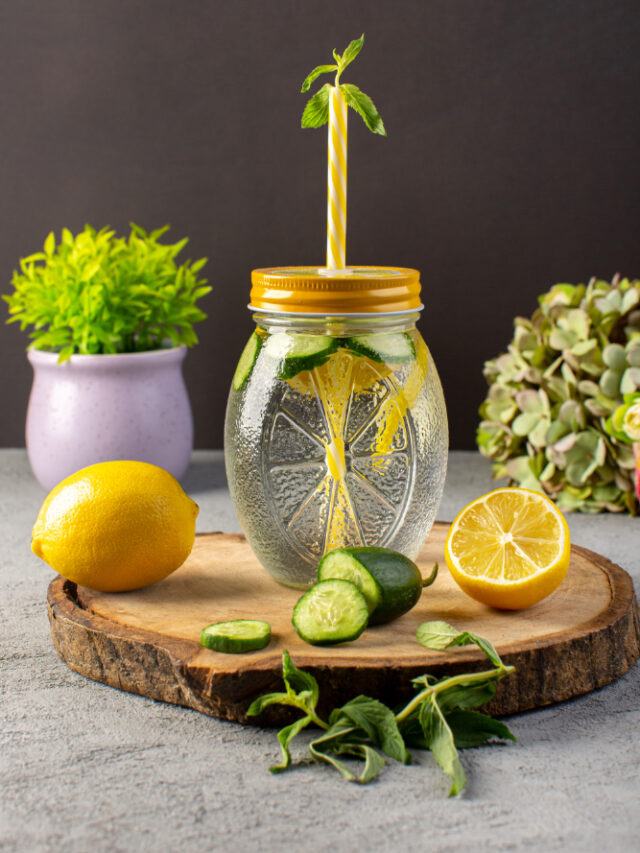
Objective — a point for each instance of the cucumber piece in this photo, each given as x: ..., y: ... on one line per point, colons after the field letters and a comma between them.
x: 297, y: 352
x: 397, y: 577
x: 390, y: 347
x: 332, y: 611
x: 236, y: 636
x: 341, y: 564
x: 247, y: 360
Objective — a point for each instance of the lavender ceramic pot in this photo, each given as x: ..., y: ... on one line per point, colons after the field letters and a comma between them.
x: 94, y: 408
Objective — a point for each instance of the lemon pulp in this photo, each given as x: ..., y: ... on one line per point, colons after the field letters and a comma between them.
x: 509, y: 549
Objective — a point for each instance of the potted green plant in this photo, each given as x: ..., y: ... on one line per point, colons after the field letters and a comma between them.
x: 110, y: 321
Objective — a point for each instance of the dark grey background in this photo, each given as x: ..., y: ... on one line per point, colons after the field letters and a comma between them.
x: 511, y: 161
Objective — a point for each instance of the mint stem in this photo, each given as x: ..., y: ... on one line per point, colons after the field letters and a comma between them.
x: 316, y: 719
x: 487, y: 675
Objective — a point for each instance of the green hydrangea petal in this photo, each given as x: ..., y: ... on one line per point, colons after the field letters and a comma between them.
x: 567, y: 380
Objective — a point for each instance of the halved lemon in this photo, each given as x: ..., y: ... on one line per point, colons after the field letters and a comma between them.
x: 509, y: 548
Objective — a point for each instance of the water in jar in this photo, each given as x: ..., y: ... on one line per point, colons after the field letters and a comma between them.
x: 350, y: 451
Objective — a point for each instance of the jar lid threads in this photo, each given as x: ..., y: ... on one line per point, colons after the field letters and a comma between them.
x: 317, y: 290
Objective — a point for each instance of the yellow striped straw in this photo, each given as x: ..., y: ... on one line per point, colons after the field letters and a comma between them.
x: 337, y: 182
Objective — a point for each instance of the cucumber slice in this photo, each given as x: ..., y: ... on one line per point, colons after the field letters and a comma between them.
x: 342, y: 564
x: 298, y: 352
x: 236, y: 636
x: 397, y: 577
x: 391, y: 347
x: 332, y: 611
x: 247, y: 360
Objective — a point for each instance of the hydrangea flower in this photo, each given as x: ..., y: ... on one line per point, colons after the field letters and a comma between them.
x: 562, y: 414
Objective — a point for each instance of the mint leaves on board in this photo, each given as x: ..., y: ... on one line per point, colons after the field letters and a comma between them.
x: 439, y: 636
x: 96, y: 293
x: 316, y: 112
x: 440, y: 718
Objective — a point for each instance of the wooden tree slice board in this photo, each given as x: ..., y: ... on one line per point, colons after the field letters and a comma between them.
x: 583, y: 636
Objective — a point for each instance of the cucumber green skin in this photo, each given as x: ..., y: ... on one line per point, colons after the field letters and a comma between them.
x: 234, y: 645
x: 399, y: 578
x: 292, y: 364
x: 314, y: 640
x: 358, y: 346
x: 247, y: 361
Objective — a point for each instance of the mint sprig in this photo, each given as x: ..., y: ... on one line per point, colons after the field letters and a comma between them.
x: 439, y: 718
x: 316, y: 112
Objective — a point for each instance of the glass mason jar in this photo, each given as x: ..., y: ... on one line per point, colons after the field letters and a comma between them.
x: 336, y: 427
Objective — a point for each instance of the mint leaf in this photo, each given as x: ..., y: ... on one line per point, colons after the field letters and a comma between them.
x: 285, y: 736
x: 258, y: 705
x: 322, y: 747
x: 411, y: 731
x: 436, y: 635
x: 439, y: 739
x: 364, y: 106
x: 302, y: 691
x: 320, y: 69
x: 316, y: 112
x: 440, y: 635
x: 466, y: 695
x: 373, y: 761
x: 341, y: 739
x: 350, y: 53
x: 378, y: 723
x: 487, y: 648
x: 471, y: 728
x: 351, y: 725
x: 327, y: 758
x: 298, y: 679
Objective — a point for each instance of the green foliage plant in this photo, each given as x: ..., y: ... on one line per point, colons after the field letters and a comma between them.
x: 547, y: 419
x: 439, y: 718
x: 96, y: 293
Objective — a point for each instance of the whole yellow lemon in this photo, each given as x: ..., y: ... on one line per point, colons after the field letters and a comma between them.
x: 116, y: 526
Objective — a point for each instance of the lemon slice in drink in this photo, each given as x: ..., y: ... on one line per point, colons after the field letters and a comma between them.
x: 509, y: 548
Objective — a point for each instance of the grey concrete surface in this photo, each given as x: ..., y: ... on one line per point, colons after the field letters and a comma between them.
x: 85, y: 767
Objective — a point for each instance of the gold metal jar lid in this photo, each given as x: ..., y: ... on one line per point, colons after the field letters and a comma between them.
x: 356, y: 290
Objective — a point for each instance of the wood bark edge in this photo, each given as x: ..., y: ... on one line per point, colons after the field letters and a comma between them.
x: 154, y: 665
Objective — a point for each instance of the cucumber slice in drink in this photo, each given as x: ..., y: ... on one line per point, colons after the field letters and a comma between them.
x: 247, y: 360
x: 298, y: 352
x: 332, y: 611
x: 236, y: 636
x: 397, y: 578
x: 390, y: 347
